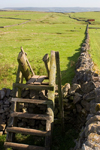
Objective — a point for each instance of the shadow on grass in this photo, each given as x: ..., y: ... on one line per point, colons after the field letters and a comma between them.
x: 66, y: 141
x: 68, y: 74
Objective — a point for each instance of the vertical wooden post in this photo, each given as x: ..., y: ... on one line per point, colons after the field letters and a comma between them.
x: 51, y: 96
x: 47, y: 63
x: 22, y: 60
x: 59, y: 90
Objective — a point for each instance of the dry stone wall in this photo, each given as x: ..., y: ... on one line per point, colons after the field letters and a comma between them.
x: 5, y: 97
x: 89, y: 81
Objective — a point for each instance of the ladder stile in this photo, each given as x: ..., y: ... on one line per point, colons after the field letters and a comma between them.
x: 32, y: 83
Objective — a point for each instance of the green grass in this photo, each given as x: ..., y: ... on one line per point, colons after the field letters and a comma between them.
x: 94, y: 35
x: 46, y: 32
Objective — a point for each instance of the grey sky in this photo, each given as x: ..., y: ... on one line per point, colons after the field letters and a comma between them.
x: 49, y: 3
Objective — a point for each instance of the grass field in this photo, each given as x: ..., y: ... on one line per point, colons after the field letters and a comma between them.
x: 45, y: 32
x: 94, y: 34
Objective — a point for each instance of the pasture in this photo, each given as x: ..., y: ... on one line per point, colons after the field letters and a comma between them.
x: 45, y: 32
x: 94, y: 34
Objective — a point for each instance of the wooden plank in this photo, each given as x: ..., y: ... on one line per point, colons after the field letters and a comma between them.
x: 33, y: 101
x: 30, y: 116
x: 22, y: 146
x: 39, y: 80
x: 32, y: 79
x: 27, y: 131
x: 59, y: 90
x: 35, y: 87
x: 45, y: 83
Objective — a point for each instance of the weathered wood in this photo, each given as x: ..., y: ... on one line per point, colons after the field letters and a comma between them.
x: 22, y: 60
x: 33, y: 101
x: 45, y: 83
x: 51, y: 96
x: 27, y: 131
x: 40, y: 79
x: 30, y: 116
x: 47, y: 63
x: 35, y: 87
x: 22, y: 146
x: 32, y: 79
x: 59, y: 90
x: 28, y: 62
x: 19, y: 79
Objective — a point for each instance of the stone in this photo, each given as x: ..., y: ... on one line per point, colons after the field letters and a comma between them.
x: 2, y: 94
x: 86, y: 105
x: 65, y: 89
x: 73, y: 88
x: 21, y: 124
x: 31, y: 122
x: 95, y: 138
x: 87, y: 87
x: 92, y: 128
x: 84, y: 112
x: 8, y: 92
x: 78, y: 108
x: 34, y: 94
x: 1, y: 111
x: 85, y: 147
x: 93, y: 119
x: 90, y: 96
x: 93, y: 145
x: 97, y: 95
x: 77, y: 98
x: 25, y: 93
x: 97, y: 107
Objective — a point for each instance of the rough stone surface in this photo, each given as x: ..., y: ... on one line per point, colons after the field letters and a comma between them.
x: 90, y: 83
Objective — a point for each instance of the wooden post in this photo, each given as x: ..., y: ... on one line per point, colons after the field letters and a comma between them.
x: 59, y: 90
x: 22, y: 60
x: 51, y: 96
x: 28, y: 62
x: 47, y: 63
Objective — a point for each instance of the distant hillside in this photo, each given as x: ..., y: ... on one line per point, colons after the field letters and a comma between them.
x: 54, y: 9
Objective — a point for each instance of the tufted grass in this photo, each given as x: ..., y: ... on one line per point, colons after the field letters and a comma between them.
x: 45, y: 32
x: 94, y: 34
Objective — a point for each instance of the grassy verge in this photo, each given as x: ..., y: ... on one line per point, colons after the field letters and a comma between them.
x: 45, y: 32
x: 94, y: 34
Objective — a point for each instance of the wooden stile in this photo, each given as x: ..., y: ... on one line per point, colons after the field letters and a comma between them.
x: 59, y: 90
x: 35, y: 83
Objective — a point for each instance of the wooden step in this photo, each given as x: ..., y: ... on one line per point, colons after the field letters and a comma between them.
x: 36, y: 79
x: 32, y: 86
x: 22, y: 146
x: 33, y: 101
x: 27, y: 131
x: 30, y: 116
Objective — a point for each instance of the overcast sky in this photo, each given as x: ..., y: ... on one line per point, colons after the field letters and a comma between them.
x: 49, y: 3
